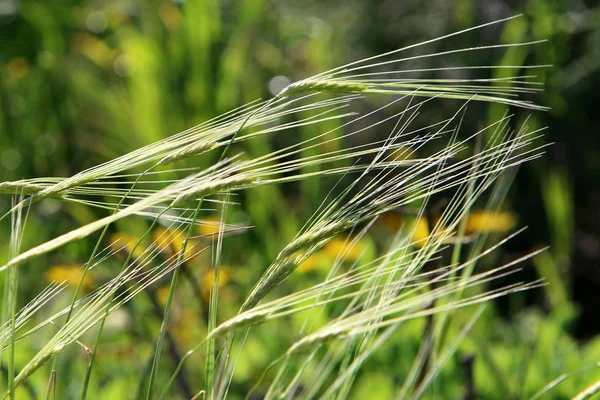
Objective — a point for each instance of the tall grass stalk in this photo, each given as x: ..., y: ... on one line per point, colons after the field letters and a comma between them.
x: 165, y: 321
x: 354, y: 310
x: 9, y: 309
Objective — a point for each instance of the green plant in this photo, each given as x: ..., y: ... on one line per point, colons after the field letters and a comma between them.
x: 357, y: 307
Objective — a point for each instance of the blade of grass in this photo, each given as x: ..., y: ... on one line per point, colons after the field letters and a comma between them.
x: 212, y: 322
x: 165, y: 320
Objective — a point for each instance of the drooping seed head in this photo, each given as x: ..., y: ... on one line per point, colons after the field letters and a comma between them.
x: 187, y: 151
x: 239, y: 321
x: 316, y: 85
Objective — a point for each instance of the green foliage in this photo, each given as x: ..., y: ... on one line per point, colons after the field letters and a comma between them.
x: 317, y: 244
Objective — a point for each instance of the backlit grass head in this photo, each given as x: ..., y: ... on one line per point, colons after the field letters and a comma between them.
x: 384, y: 159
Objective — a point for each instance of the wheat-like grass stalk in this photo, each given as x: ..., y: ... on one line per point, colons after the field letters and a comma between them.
x: 382, y: 194
x: 104, y: 300
x: 376, y: 297
x: 447, y: 224
x: 9, y: 307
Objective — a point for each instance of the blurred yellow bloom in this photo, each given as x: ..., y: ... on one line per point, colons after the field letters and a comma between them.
x: 162, y: 293
x: 170, y: 15
x: 209, y: 226
x: 120, y: 242
x: 420, y: 232
x: 311, y: 263
x: 482, y: 222
x: 70, y: 274
x: 209, y: 276
x: 95, y: 50
x: 17, y: 68
x: 477, y: 222
x: 338, y: 247
x: 170, y: 241
x: 344, y: 248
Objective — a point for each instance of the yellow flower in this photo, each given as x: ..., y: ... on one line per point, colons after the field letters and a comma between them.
x: 311, y: 263
x: 420, y: 232
x: 94, y: 49
x: 69, y: 274
x: 209, y: 226
x: 483, y: 222
x: 343, y: 247
x: 162, y: 293
x: 338, y: 247
x: 170, y: 241
x: 122, y: 242
x: 208, y: 278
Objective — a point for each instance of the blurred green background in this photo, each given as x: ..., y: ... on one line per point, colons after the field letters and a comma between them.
x: 85, y: 81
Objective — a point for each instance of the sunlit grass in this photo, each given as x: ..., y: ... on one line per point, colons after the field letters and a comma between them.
x: 428, y: 271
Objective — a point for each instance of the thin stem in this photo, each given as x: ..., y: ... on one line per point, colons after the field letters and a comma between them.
x: 165, y: 321
x: 212, y: 311
x: 172, y: 348
x: 107, y: 311
x: 88, y: 265
x: 12, y: 282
